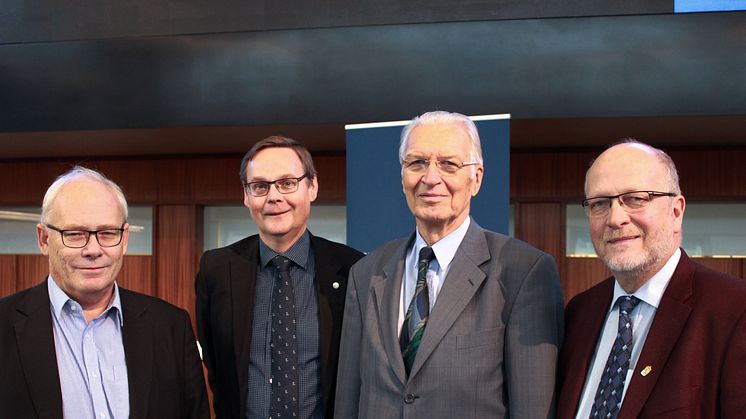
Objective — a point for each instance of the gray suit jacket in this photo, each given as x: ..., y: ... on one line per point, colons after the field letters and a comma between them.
x: 490, y: 346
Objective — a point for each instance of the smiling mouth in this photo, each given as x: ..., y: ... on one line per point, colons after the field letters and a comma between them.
x: 622, y: 239
x: 276, y: 214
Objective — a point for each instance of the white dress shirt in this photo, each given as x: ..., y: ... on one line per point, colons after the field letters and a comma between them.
x: 650, y: 295
x: 445, y: 249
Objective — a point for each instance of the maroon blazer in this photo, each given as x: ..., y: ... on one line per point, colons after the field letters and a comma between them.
x: 696, y: 348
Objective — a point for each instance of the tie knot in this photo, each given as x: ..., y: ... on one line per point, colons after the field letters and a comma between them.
x: 627, y: 303
x: 282, y: 263
x: 426, y: 254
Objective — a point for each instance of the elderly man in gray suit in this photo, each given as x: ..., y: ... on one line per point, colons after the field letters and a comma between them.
x: 453, y: 321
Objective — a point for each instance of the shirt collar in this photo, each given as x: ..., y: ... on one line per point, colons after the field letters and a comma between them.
x: 59, y: 299
x: 298, y: 252
x: 445, y: 248
x: 652, y: 291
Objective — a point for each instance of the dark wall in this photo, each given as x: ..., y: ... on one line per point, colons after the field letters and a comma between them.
x: 52, y: 20
x: 535, y: 68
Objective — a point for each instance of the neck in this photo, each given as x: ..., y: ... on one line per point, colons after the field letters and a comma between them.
x: 93, y: 306
x: 433, y: 233
x: 281, y: 244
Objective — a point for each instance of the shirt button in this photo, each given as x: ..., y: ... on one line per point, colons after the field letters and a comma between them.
x: 409, y: 398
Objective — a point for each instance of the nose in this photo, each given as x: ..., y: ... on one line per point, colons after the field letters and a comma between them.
x: 92, y: 248
x: 432, y: 175
x: 274, y: 193
x: 617, y: 216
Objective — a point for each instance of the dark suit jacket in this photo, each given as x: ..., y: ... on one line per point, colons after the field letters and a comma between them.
x: 225, y: 308
x: 490, y: 346
x: 163, y: 368
x: 696, y: 348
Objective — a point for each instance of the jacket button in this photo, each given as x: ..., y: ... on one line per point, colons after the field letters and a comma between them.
x: 409, y: 398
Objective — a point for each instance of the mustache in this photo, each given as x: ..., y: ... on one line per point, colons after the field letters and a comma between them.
x: 615, y: 235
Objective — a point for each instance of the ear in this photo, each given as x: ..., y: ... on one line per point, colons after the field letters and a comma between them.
x: 477, y: 180
x: 125, y: 237
x: 679, y: 205
x: 42, y: 239
x: 246, y: 198
x: 313, y: 189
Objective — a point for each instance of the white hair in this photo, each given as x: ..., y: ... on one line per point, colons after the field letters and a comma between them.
x: 441, y: 118
x: 76, y: 173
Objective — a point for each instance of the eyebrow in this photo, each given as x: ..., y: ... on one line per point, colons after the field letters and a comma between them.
x: 264, y: 179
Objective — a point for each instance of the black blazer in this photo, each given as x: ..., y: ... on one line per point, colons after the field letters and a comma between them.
x: 225, y: 287
x: 163, y: 368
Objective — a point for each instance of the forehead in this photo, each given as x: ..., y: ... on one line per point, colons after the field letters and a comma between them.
x: 626, y: 168
x: 449, y: 139
x: 86, y: 203
x: 273, y: 163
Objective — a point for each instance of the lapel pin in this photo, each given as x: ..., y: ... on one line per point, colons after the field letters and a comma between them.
x: 335, y: 285
x: 645, y: 371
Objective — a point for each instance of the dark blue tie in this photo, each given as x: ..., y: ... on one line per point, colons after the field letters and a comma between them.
x: 284, y: 346
x: 419, y: 310
x: 608, y: 399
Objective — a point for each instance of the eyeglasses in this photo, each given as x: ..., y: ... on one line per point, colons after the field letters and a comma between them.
x: 631, y: 202
x: 418, y: 166
x: 284, y: 186
x: 77, y: 239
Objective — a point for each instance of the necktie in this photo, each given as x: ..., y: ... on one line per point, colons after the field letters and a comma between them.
x: 608, y: 399
x: 284, y: 346
x: 419, y: 310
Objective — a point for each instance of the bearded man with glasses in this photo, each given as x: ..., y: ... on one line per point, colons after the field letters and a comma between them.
x: 269, y: 307
x: 78, y: 345
x: 664, y: 336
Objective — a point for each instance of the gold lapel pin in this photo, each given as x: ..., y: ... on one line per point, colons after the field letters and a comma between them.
x: 335, y: 285
x: 645, y: 371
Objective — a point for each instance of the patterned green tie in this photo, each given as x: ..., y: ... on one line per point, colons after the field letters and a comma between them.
x: 419, y: 310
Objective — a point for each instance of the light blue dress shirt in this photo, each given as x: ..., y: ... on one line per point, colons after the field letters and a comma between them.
x: 90, y: 358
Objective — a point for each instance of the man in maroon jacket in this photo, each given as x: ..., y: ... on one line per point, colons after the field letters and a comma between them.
x: 665, y: 336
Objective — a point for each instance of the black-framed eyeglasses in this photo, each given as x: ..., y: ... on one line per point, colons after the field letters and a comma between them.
x: 76, y: 239
x: 631, y: 202
x: 284, y: 185
x: 446, y: 167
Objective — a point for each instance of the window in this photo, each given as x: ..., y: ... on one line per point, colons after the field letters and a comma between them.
x: 710, y: 230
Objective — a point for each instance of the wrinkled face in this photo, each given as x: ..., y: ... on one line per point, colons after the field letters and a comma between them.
x: 280, y: 218
x: 87, y: 273
x: 440, y: 202
x: 634, y: 243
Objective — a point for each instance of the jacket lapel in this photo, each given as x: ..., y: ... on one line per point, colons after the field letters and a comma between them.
x: 463, y: 280
x: 243, y: 272
x: 33, y: 329
x: 669, y: 321
x: 580, y: 346
x: 331, y: 302
x: 387, y: 291
x: 137, y: 336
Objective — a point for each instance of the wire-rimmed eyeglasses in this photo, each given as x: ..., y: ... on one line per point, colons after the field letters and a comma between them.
x: 446, y: 167
x: 284, y: 185
x: 76, y: 239
x: 631, y: 202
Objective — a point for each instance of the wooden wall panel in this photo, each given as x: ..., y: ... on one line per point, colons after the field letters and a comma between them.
x: 178, y: 247
x: 730, y: 266
x: 332, y: 176
x: 8, y: 275
x: 216, y: 180
x: 542, y: 225
x: 581, y: 274
x: 136, y: 177
x: 137, y: 274
x: 31, y: 270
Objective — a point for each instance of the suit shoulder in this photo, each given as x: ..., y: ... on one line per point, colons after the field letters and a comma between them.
x: 13, y: 300
x: 718, y: 285
x: 338, y: 250
x: 381, y: 254
x: 155, y: 304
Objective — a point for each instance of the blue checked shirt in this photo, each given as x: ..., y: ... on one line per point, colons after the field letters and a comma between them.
x: 302, y: 273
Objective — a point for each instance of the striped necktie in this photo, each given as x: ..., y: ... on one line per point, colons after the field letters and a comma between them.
x: 419, y: 310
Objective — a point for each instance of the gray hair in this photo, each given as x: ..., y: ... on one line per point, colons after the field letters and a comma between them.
x: 77, y: 173
x: 443, y: 117
x: 672, y: 175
